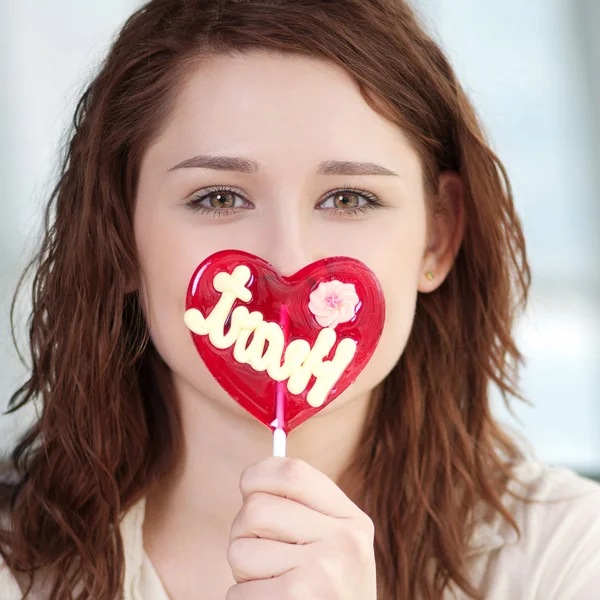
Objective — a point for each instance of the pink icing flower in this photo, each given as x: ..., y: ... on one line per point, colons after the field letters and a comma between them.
x: 333, y: 302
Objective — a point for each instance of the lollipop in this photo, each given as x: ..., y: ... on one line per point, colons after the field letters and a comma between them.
x: 283, y: 347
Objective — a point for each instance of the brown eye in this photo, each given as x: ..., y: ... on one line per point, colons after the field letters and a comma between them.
x: 217, y: 202
x: 346, y: 200
x: 349, y: 201
x: 221, y: 200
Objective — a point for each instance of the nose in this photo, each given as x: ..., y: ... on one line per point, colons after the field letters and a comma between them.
x: 289, y: 245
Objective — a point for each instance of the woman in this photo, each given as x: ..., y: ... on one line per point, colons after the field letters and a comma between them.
x: 294, y: 130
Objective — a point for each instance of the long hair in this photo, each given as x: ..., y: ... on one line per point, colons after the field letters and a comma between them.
x: 107, y: 427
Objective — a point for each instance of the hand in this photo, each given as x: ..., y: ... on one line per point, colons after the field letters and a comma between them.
x: 299, y: 537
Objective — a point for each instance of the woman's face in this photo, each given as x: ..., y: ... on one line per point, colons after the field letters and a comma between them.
x: 290, y: 117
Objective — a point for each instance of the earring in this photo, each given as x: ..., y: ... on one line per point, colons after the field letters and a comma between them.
x: 430, y: 275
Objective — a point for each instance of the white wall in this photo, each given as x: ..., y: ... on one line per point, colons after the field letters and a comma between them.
x: 46, y: 52
x: 533, y: 71
x: 526, y: 68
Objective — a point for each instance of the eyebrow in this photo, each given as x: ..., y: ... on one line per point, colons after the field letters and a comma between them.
x: 244, y: 165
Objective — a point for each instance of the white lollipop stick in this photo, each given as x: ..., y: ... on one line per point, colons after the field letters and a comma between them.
x: 279, y: 441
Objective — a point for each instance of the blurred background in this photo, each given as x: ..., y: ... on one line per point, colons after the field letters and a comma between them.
x: 532, y: 70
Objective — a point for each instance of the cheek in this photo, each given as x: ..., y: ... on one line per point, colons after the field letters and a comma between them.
x: 395, y: 255
x: 400, y: 310
x: 167, y: 260
x: 400, y: 292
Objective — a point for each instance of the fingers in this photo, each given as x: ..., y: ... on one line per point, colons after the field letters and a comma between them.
x: 298, y: 535
x: 254, y: 558
x: 298, y: 481
x: 287, y: 585
x: 273, y: 517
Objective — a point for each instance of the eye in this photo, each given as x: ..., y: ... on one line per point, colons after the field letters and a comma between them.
x: 218, y: 201
x: 350, y: 201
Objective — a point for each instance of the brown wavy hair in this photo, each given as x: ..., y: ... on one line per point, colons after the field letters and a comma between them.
x: 106, y: 427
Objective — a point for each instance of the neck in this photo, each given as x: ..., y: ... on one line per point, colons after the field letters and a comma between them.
x: 220, y: 441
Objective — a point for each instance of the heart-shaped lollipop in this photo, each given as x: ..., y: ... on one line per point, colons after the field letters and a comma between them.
x: 299, y: 340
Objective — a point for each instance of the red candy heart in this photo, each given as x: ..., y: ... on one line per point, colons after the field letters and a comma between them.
x: 307, y: 336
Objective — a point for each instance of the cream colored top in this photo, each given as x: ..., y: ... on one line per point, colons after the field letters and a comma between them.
x: 557, y: 557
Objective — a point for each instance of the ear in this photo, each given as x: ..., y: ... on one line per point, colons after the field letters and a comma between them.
x: 131, y: 285
x: 446, y: 223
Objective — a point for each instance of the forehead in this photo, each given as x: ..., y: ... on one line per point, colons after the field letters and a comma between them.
x: 272, y: 106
